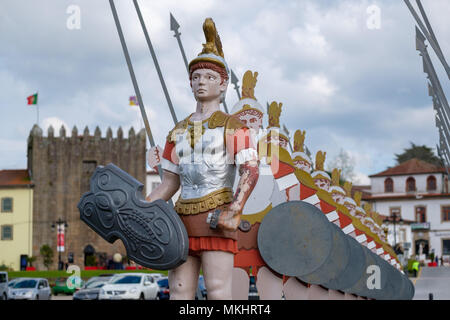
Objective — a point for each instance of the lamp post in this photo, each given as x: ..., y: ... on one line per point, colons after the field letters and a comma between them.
x: 394, y: 219
x: 61, y: 225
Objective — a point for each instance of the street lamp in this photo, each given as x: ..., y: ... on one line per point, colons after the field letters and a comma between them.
x: 394, y: 217
x: 61, y: 225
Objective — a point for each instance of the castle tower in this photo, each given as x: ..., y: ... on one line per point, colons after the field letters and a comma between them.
x: 61, y: 168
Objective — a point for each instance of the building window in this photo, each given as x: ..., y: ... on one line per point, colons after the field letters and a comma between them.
x: 446, y: 246
x: 445, y: 213
x: 421, y: 214
x: 7, y: 204
x: 7, y: 233
x: 410, y: 184
x: 395, y: 213
x: 388, y: 185
x: 445, y: 184
x: 431, y: 183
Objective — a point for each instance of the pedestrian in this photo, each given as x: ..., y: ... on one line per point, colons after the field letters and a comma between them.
x: 415, y: 267
x: 437, y: 261
x: 442, y: 261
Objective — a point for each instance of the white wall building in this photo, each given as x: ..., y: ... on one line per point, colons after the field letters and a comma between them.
x: 416, y: 192
x: 153, y: 181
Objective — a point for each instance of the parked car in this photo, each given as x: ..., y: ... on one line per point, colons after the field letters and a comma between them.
x: 11, y: 284
x: 62, y: 287
x: 102, y: 278
x: 31, y: 289
x: 91, y: 289
x: 253, y: 290
x: 130, y: 286
x: 164, y: 291
x: 3, y: 285
x: 157, y: 276
x: 201, y: 293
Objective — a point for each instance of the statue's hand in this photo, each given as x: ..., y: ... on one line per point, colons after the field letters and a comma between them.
x: 154, y: 156
x: 227, y: 219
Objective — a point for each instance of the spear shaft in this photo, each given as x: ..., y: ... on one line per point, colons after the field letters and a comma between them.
x: 155, y: 61
x: 133, y: 79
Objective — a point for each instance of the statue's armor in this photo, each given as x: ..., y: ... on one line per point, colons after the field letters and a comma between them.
x: 205, y: 154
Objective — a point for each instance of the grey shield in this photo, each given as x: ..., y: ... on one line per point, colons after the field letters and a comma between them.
x: 295, y: 238
x: 153, y: 234
x: 353, y: 270
x: 336, y: 262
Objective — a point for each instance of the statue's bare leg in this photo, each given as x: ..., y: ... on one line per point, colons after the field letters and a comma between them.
x: 217, y: 269
x: 295, y: 290
x: 183, y: 280
x: 240, y: 284
x: 270, y: 286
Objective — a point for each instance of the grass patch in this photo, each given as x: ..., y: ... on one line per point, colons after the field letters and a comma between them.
x: 85, y: 274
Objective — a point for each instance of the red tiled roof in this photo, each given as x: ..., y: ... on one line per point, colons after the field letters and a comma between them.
x: 14, y: 178
x: 413, y: 166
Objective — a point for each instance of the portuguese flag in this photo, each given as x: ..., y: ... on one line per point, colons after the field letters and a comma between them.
x: 32, y: 99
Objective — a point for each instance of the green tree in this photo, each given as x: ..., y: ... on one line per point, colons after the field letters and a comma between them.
x: 30, y: 261
x: 420, y: 152
x: 47, y: 254
x: 346, y: 163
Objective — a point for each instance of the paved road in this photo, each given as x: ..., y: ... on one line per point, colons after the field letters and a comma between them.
x: 62, y: 297
x: 433, y: 280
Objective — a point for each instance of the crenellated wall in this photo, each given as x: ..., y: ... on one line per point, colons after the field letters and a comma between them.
x: 60, y: 168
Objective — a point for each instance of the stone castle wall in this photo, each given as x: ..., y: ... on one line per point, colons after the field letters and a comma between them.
x: 60, y: 168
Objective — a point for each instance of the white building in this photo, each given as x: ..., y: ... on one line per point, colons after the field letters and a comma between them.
x: 153, y: 181
x: 416, y: 192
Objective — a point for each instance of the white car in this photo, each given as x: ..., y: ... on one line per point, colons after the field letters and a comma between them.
x: 136, y: 286
x: 30, y: 289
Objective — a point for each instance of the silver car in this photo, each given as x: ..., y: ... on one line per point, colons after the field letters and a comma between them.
x: 31, y: 289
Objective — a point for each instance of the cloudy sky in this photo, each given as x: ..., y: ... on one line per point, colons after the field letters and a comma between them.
x: 352, y: 81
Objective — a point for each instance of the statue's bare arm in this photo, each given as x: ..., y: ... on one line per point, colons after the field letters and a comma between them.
x: 230, y: 218
x: 168, y: 187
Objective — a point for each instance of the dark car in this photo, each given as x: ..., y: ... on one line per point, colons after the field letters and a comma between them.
x: 91, y: 289
x: 253, y: 291
x: 164, y: 292
x: 201, y: 293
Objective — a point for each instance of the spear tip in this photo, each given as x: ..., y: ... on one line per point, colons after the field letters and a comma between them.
x: 174, y: 26
x: 234, y: 79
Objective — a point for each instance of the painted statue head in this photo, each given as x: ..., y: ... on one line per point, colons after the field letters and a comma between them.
x: 299, y: 157
x: 248, y: 109
x: 208, y: 72
x: 321, y: 179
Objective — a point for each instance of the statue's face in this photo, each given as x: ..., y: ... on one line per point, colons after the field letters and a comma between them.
x: 323, y: 184
x: 302, y: 165
x: 351, y: 208
x: 338, y: 197
x: 250, y: 120
x: 359, y: 214
x: 207, y: 85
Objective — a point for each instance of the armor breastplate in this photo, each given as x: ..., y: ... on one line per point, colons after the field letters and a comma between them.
x: 206, y: 168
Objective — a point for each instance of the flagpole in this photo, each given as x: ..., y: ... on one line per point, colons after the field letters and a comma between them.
x: 37, y: 107
x: 155, y: 61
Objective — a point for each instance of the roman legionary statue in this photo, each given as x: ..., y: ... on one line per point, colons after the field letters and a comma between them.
x: 201, y: 155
